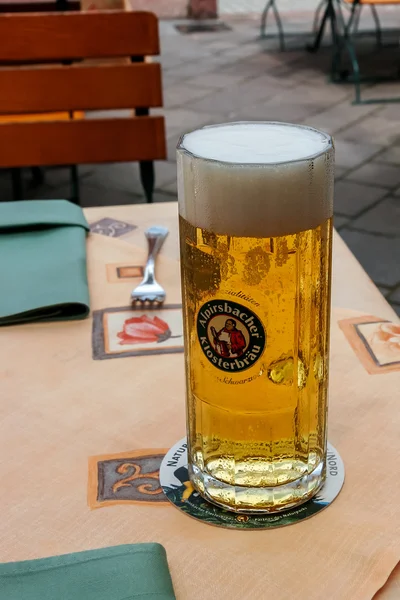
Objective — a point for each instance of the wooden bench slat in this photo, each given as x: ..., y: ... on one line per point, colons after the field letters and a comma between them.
x: 31, y: 7
x: 80, y: 88
x: 78, y: 142
x: 73, y: 35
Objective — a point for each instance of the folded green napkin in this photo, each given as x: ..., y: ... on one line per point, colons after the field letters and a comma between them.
x: 130, y: 572
x: 42, y: 261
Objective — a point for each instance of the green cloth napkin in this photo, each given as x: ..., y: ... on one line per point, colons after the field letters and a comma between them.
x: 42, y: 261
x: 130, y: 572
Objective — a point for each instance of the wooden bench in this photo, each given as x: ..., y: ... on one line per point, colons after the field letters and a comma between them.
x: 30, y: 6
x: 133, y: 84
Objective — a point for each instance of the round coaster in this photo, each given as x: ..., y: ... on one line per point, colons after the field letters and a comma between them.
x: 174, y: 479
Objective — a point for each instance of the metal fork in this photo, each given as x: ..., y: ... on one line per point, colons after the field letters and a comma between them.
x: 149, y: 290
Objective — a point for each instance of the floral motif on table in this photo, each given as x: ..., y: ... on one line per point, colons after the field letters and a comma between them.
x: 375, y: 341
x: 127, y: 478
x: 124, y: 273
x: 145, y: 329
x: 111, y: 227
x: 130, y: 272
x: 136, y: 331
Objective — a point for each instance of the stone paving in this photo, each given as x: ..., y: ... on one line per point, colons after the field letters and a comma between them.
x: 233, y: 75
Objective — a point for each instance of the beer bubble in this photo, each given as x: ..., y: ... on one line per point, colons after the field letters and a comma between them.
x: 282, y: 371
x: 319, y: 368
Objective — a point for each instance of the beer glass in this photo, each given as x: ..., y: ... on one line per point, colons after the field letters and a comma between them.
x: 255, y: 212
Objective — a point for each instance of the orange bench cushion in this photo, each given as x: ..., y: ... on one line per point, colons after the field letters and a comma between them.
x: 56, y: 116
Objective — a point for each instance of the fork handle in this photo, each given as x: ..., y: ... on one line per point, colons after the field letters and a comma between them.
x: 155, y: 239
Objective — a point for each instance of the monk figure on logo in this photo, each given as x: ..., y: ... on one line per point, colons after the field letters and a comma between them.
x: 229, y: 340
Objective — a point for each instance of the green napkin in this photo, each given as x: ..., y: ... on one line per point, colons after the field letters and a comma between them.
x: 130, y: 572
x: 42, y: 261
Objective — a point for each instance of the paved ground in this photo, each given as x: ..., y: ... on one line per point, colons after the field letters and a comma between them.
x: 232, y: 75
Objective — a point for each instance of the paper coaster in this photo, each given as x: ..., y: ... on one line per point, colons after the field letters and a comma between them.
x: 174, y: 479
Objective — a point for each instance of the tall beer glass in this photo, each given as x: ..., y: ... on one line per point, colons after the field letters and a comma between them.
x: 255, y: 210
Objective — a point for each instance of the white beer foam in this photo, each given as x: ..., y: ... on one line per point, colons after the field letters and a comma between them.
x: 256, y: 179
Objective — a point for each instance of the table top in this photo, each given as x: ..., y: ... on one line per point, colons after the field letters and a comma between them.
x: 351, y: 286
x: 70, y: 412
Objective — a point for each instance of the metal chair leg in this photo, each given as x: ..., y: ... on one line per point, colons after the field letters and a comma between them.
x: 334, y: 26
x: 264, y: 15
x: 353, y: 16
x: 17, y: 185
x: 146, y: 167
x: 320, y: 34
x: 357, y: 19
x: 37, y: 176
x: 378, y: 29
x: 147, y: 178
x: 263, y: 26
x: 338, y: 43
x: 280, y: 28
x: 316, y: 16
x: 347, y: 42
x: 75, y: 195
x: 356, y: 70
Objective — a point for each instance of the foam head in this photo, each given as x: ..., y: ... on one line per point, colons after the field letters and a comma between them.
x: 256, y: 179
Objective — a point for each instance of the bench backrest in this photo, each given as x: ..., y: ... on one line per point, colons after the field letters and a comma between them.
x: 91, y: 85
x: 31, y: 6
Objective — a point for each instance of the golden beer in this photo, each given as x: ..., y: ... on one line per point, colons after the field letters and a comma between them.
x: 256, y: 296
